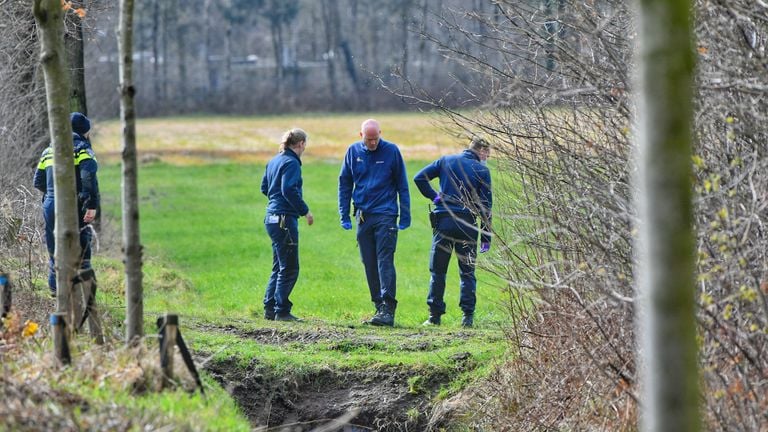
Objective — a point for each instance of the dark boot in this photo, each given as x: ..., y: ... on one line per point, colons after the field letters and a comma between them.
x: 386, y: 318
x: 286, y: 317
x: 433, y: 320
x: 269, y: 315
x: 468, y: 320
x: 379, y: 311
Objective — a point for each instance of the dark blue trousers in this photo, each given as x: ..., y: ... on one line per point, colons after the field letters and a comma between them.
x: 49, y: 214
x: 453, y: 233
x: 285, y: 263
x: 377, y: 240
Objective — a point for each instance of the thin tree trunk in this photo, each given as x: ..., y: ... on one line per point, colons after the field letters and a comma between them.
x: 182, y: 56
x: 670, y: 391
x: 74, y: 43
x: 134, y: 296
x: 164, y: 86
x: 156, y: 52
x: 49, y: 18
x: 330, y: 54
x: 405, y: 16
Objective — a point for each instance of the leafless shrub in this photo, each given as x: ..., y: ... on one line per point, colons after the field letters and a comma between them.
x: 557, y: 107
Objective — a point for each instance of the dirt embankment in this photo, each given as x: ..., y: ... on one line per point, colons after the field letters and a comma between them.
x: 381, y: 398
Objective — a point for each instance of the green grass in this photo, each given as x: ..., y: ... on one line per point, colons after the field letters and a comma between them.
x: 206, y: 222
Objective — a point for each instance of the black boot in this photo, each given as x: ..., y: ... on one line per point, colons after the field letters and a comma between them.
x: 433, y: 320
x: 468, y: 320
x: 377, y: 315
x: 286, y: 316
x: 385, y: 318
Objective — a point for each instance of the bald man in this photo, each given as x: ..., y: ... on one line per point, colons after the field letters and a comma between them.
x: 373, y: 177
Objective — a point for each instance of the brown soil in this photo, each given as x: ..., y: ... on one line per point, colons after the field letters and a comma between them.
x: 381, y: 397
x: 384, y: 398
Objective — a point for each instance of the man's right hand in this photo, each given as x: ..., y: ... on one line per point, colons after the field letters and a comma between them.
x: 310, y: 218
x: 347, y: 225
x: 437, y: 199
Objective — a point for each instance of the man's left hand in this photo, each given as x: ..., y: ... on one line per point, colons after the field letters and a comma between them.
x: 485, y: 247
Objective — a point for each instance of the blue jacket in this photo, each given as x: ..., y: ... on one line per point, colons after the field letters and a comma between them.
x: 465, y: 187
x: 373, y: 180
x: 85, y: 174
x: 282, y: 184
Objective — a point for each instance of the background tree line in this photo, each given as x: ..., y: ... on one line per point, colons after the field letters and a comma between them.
x: 262, y: 56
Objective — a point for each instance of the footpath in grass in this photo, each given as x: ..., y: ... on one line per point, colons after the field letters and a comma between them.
x: 208, y: 257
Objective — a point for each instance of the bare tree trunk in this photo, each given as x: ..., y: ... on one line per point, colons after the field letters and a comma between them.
x: 164, y: 86
x: 405, y: 16
x: 182, y: 55
x: 207, y: 64
x: 76, y: 63
x: 156, y: 52
x: 50, y: 24
x: 666, y: 242
x: 134, y: 297
x: 330, y: 49
x: 423, y: 41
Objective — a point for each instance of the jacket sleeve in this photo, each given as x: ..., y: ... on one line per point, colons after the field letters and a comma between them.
x: 265, y: 184
x: 89, y: 195
x: 345, y: 187
x: 290, y: 181
x: 40, y: 180
x: 402, y: 191
x: 423, y: 177
x: 486, y: 204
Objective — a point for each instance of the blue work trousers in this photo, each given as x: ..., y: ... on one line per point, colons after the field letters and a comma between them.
x: 49, y: 214
x: 377, y: 240
x: 453, y: 233
x: 284, y: 232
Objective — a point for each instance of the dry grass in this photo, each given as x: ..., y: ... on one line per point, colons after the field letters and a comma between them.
x: 193, y: 140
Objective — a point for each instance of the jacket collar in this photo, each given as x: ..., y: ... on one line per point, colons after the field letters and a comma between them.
x: 365, y: 148
x: 288, y: 152
x: 471, y: 155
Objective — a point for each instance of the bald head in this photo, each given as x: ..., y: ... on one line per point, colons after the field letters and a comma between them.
x: 370, y: 132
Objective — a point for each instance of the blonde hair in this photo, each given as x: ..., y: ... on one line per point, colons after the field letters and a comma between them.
x: 292, y: 137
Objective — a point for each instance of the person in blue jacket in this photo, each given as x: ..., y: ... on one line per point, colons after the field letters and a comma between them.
x: 282, y: 184
x: 87, y: 186
x: 373, y: 176
x: 464, y: 197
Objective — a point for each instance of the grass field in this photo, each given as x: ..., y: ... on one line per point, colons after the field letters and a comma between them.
x: 206, y: 222
x: 207, y: 255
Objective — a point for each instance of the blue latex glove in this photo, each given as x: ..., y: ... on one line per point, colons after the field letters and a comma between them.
x: 438, y: 199
x: 485, y: 247
x: 401, y: 226
x: 347, y: 225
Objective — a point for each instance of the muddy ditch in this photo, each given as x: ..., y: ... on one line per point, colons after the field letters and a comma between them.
x: 384, y: 398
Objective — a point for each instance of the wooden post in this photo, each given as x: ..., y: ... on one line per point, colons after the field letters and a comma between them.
x: 5, y: 295
x: 94, y: 324
x: 170, y: 325
x: 61, y: 337
x: 76, y: 304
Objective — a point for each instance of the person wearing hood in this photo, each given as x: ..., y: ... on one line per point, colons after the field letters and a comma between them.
x: 464, y: 197
x: 87, y: 187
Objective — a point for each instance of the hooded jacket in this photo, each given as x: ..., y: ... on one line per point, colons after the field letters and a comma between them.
x: 374, y: 180
x: 282, y: 184
x: 465, y: 187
